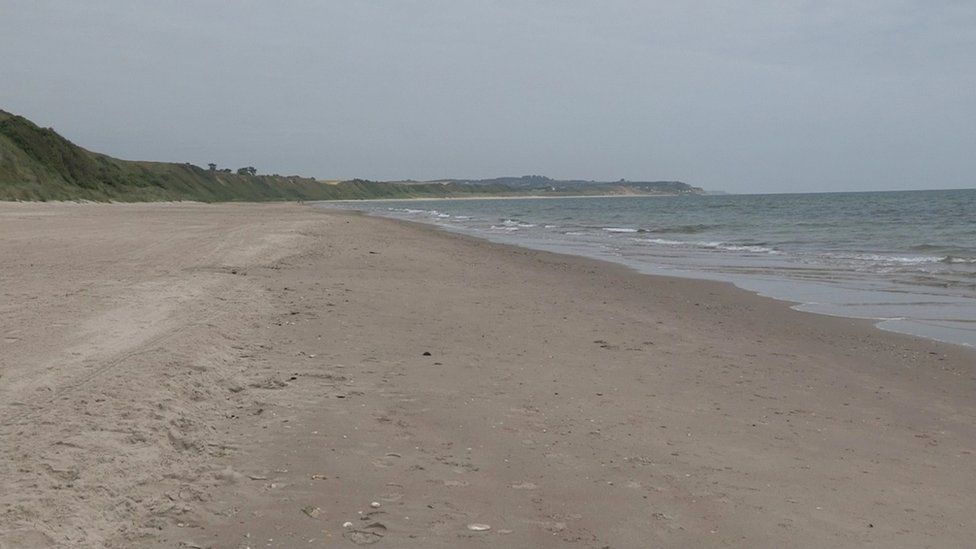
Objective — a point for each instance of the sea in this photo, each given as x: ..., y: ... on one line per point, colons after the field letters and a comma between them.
x: 905, y: 259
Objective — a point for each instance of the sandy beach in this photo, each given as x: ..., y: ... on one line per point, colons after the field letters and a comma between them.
x: 189, y: 375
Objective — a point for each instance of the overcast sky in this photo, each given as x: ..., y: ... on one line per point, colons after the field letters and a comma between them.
x: 743, y: 96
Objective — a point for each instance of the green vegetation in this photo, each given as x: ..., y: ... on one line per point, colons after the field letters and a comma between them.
x: 37, y: 164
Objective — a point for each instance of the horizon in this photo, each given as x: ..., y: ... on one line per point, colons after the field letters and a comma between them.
x: 748, y: 100
x: 707, y: 191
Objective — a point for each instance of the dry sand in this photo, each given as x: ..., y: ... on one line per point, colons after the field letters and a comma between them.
x: 256, y: 376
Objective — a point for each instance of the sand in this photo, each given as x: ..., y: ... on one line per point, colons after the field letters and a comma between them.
x: 185, y: 375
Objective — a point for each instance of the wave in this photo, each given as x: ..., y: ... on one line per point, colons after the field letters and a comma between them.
x: 429, y: 213
x: 662, y: 241
x: 754, y: 248
x: 927, y: 247
x: 684, y: 229
x: 713, y: 245
x: 890, y: 259
x: 946, y: 251
x: 900, y: 262
x: 763, y: 248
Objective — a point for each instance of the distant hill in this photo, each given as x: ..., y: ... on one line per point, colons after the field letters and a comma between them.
x: 578, y: 186
x: 39, y: 164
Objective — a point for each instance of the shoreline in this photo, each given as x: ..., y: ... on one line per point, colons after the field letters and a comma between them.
x: 228, y: 374
x: 752, y: 284
x: 792, y: 304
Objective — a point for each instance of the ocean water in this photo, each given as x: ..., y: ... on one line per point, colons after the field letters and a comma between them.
x: 905, y: 259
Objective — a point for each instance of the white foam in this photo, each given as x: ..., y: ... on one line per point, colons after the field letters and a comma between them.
x: 712, y: 245
x: 662, y: 241
x: 879, y: 258
x: 746, y: 248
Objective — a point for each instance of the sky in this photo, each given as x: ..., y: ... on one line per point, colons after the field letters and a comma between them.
x: 778, y: 96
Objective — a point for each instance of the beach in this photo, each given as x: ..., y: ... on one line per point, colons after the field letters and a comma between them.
x: 248, y: 375
x: 904, y: 259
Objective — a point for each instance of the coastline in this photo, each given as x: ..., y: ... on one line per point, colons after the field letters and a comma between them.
x: 497, y: 197
x: 218, y: 374
x: 878, y: 300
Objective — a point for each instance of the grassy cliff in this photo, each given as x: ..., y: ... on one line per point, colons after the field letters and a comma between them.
x: 39, y: 164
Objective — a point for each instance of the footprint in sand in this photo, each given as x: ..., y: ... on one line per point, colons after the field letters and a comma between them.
x: 367, y: 535
x: 389, y: 460
x: 391, y: 497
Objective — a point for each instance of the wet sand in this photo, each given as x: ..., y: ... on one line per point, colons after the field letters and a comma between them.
x: 257, y: 375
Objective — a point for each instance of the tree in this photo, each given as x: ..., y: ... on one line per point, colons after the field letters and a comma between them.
x: 250, y: 170
x: 212, y: 166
